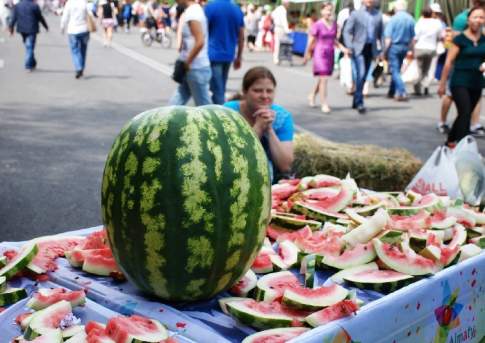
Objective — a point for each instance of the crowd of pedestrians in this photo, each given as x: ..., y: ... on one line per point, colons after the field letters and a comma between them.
x: 376, y: 43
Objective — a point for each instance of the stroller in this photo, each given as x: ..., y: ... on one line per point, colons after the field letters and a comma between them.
x: 286, y: 50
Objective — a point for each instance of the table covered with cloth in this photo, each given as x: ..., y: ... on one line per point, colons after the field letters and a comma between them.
x: 448, y: 307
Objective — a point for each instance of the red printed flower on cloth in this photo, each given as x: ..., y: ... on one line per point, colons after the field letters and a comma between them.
x: 447, y: 314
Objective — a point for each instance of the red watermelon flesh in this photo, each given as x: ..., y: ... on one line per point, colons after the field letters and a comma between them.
x: 421, y: 220
x: 57, y: 294
x: 262, y: 263
x: 276, y: 307
x: 321, y: 194
x: 121, y: 328
x: 21, y: 317
x: 274, y: 232
x: 100, y: 258
x: 397, y: 255
x: 304, y: 233
x: 293, y: 182
x: 339, y: 310
x: 93, y: 326
x: 329, y: 243
x: 321, y: 181
x: 279, y: 335
x: 280, y: 284
x: 96, y: 240
x: 283, y: 191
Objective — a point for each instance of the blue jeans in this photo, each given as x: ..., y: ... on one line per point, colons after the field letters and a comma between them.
x: 361, y: 63
x: 79, y: 44
x: 396, y: 56
x: 220, y: 72
x: 196, y: 84
x: 29, y: 42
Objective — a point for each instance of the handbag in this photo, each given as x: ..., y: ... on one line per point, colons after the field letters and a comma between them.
x: 91, y: 23
x: 179, y: 71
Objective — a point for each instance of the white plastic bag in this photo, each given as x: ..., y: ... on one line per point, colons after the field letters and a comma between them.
x: 410, y: 72
x: 470, y: 170
x: 438, y: 175
x: 345, y: 68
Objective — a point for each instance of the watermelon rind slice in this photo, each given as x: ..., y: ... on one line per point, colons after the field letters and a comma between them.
x: 307, y: 268
x: 24, y: 323
x: 252, y: 317
x: 54, y: 336
x: 19, y: 262
x: 351, y: 257
x: 369, y: 210
x: 468, y: 251
x: 406, y: 262
x: 80, y: 337
x: 264, y: 291
x: 339, y: 277
x: 41, y: 322
x: 288, y: 251
x: 224, y: 301
x: 367, y: 230
x: 404, y: 210
x: 479, y: 241
x: 160, y: 334
x: 245, y: 285
x: 36, y: 303
x: 384, y: 281
x: 3, y: 261
x: 3, y: 284
x: 444, y: 224
x: 275, y: 335
x: 72, y: 331
x: 12, y: 295
x: 316, y: 213
x: 294, y: 223
x: 309, y: 299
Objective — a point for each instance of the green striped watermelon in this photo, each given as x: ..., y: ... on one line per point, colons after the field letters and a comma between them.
x: 186, y: 200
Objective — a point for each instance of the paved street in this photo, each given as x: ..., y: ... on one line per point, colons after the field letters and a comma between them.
x: 56, y: 131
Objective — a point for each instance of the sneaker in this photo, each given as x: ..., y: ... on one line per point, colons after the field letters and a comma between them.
x: 478, y: 131
x: 443, y: 128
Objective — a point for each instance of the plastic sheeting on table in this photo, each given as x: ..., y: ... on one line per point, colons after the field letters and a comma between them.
x: 413, y: 314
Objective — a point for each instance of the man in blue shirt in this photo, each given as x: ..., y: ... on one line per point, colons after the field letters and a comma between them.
x: 362, y: 34
x: 225, y: 22
x: 399, y: 34
x: 26, y: 14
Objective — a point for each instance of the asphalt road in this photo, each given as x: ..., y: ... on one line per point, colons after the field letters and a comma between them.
x: 56, y: 131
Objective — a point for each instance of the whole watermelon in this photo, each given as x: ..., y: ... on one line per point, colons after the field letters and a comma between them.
x: 186, y: 200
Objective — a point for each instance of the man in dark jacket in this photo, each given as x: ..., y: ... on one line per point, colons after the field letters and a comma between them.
x: 26, y: 14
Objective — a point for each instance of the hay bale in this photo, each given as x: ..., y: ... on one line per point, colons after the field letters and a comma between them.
x: 371, y: 166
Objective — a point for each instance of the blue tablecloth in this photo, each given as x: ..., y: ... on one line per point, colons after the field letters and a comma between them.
x: 413, y: 314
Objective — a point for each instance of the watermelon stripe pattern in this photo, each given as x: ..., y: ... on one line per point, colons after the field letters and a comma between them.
x: 186, y: 200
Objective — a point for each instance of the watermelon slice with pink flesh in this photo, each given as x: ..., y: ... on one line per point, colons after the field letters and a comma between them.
x: 440, y: 220
x: 48, y: 320
x: 263, y: 264
x: 367, y: 230
x: 23, y: 320
x: 18, y: 261
x: 283, y: 191
x: 336, y: 203
x: 320, y: 194
x: 293, y: 182
x: 245, y: 285
x: 342, y: 309
x: 272, y: 286
x: 279, y: 335
x: 100, y: 262
x: 322, y: 180
x: 45, y: 297
x: 463, y: 215
x: 321, y: 243
x: 54, y: 336
x: 421, y: 220
x: 135, y: 329
x: 384, y: 281
x: 304, y: 233
x: 351, y: 257
x: 265, y: 315
x: 405, y: 262
x: 95, y: 240
x: 313, y: 299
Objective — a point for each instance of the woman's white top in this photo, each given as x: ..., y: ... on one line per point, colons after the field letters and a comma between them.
x: 74, y: 16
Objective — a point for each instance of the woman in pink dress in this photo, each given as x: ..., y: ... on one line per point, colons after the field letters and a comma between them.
x: 321, y: 47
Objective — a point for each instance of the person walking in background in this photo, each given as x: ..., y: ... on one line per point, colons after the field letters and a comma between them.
x: 192, y: 26
x: 266, y: 23
x: 126, y: 11
x: 363, y: 36
x: 428, y: 33
x: 280, y: 27
x: 399, y: 35
x: 107, y: 14
x: 251, y: 22
x: 27, y: 16
x: 272, y: 123
x: 466, y: 55
x: 225, y: 22
x: 323, y: 39
x: 75, y: 19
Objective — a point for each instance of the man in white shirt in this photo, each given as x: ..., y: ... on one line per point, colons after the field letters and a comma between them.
x: 281, y: 29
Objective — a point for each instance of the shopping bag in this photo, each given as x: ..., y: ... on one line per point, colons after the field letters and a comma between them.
x: 345, y: 68
x: 91, y: 22
x: 438, y: 175
x: 410, y: 71
x: 470, y: 170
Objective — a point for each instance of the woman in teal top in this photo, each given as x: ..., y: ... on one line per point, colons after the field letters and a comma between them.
x: 466, y: 57
x: 272, y: 123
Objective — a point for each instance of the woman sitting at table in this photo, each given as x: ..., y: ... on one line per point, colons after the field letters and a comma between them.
x: 272, y: 123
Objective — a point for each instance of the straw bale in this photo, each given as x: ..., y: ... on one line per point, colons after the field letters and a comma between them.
x: 371, y: 166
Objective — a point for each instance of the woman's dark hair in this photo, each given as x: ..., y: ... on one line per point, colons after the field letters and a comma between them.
x: 326, y: 4
x: 473, y: 9
x: 255, y: 74
x: 427, y: 12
